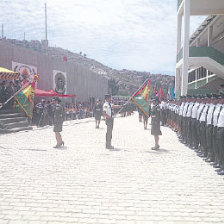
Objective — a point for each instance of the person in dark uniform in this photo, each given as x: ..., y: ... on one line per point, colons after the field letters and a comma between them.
x: 145, y: 120
x: 58, y: 121
x: 140, y: 114
x: 3, y: 96
x: 98, y: 110
x: 155, y: 129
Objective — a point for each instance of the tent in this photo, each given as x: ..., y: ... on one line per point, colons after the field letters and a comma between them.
x: 8, y: 74
x: 51, y: 93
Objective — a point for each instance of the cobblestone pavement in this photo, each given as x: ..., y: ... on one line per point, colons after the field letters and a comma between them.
x: 85, y: 183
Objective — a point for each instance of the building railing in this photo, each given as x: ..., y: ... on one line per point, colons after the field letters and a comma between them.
x: 201, y: 82
x: 179, y: 3
x: 209, y: 52
x: 180, y: 55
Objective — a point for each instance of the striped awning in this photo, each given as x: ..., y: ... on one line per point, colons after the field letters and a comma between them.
x: 8, y: 74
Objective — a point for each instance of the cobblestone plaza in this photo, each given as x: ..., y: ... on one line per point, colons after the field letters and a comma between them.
x: 85, y: 183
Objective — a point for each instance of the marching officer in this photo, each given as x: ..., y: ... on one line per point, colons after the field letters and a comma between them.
x: 58, y: 121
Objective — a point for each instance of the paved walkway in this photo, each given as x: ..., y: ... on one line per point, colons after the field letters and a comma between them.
x: 85, y: 183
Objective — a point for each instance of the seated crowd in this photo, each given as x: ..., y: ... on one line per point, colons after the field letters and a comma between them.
x: 7, y: 89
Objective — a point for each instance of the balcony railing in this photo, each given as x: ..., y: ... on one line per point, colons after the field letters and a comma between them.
x: 180, y: 55
x: 179, y: 3
x: 209, y: 52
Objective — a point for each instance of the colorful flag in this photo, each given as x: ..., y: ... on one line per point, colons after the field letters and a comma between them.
x: 172, y: 92
x: 161, y: 94
x: 141, y: 97
x: 25, y: 98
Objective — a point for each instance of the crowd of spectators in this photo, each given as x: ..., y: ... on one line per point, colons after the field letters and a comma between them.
x: 7, y: 89
x: 43, y: 112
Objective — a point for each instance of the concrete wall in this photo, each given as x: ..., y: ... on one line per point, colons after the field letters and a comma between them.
x: 81, y: 81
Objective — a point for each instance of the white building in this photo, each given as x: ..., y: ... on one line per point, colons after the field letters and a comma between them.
x: 200, y: 58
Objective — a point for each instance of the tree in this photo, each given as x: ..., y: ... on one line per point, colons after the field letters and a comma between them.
x: 113, y: 86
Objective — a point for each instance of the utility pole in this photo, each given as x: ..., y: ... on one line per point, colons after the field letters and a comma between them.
x: 2, y: 31
x: 45, y: 21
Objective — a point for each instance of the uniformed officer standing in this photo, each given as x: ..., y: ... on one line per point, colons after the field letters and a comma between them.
x: 181, y: 117
x: 215, y: 117
x: 220, y: 139
x: 184, y: 122
x: 188, y: 122
x: 58, y: 121
x: 156, y: 118
x: 209, y: 130
x: 108, y: 114
x: 199, y: 112
x: 163, y: 107
x: 202, y: 128
x: 194, y: 123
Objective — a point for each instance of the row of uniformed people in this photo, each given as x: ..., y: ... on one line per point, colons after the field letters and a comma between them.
x: 199, y: 122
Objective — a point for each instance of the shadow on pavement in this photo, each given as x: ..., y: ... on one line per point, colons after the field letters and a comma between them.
x: 158, y: 151
x: 61, y: 148
x: 114, y: 150
x: 40, y: 150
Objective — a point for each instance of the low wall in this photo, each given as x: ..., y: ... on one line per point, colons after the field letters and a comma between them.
x: 80, y: 80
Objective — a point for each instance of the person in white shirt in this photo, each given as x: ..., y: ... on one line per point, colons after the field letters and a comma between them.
x: 108, y: 114
x: 220, y: 138
x: 163, y: 107
x: 184, y: 129
x: 188, y: 121
x: 199, y: 112
x: 202, y: 136
x: 194, y: 123
x: 215, y: 117
x: 181, y: 123
x: 209, y: 129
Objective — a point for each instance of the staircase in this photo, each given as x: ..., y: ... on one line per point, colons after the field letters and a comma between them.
x: 207, y: 57
x: 11, y: 121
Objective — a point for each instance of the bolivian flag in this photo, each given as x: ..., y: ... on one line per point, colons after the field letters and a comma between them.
x: 141, y: 97
x: 25, y: 98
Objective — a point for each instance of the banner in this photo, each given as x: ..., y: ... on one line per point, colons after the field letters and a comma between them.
x: 27, y: 72
x: 60, y: 82
x: 25, y: 98
x: 141, y: 97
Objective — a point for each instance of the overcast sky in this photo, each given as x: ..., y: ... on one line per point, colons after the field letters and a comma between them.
x: 132, y: 34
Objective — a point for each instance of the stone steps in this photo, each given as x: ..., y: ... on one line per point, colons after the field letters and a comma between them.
x: 17, y: 124
x: 12, y: 119
x: 11, y: 122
